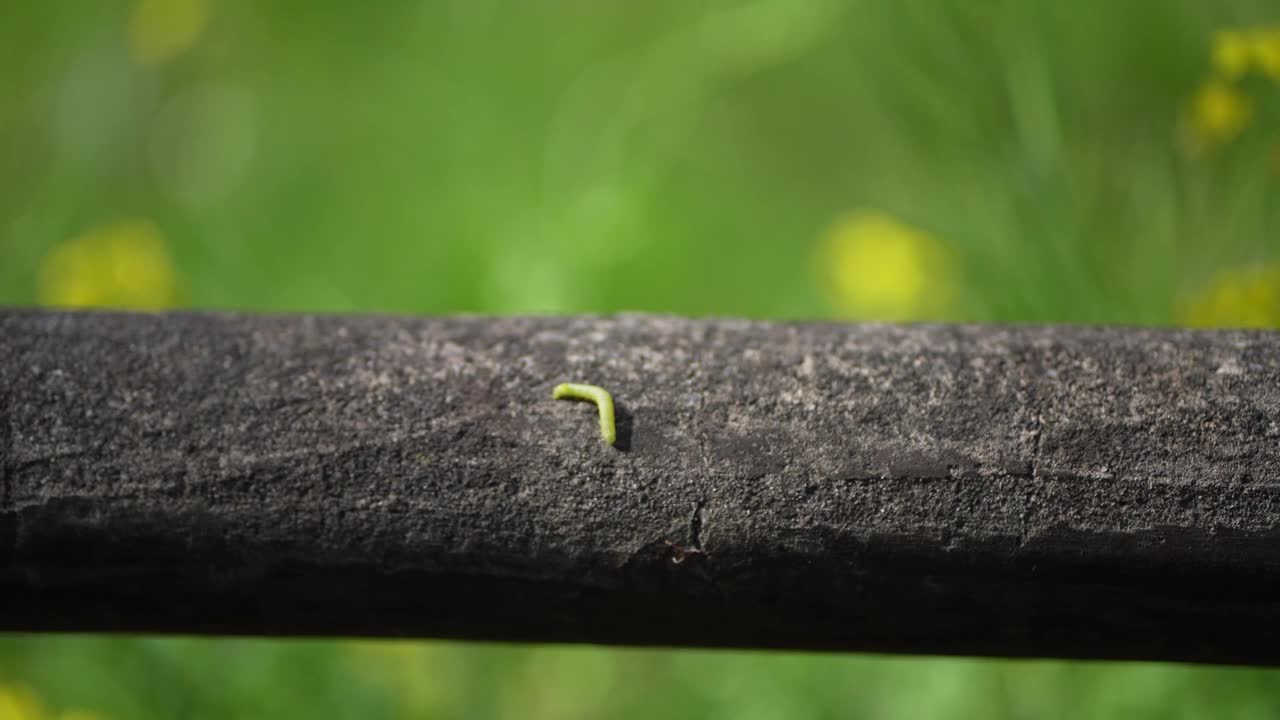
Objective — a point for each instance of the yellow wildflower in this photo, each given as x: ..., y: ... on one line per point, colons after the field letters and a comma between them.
x: 122, y: 265
x: 161, y: 30
x: 1236, y: 52
x: 1266, y: 51
x: 1242, y: 297
x: 19, y: 703
x: 1219, y: 112
x: 877, y: 267
x: 1232, y: 51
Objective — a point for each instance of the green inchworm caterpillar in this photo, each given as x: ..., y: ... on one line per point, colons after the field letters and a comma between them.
x: 595, y: 394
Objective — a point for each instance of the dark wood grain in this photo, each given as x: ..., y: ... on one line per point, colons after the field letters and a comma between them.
x: 1008, y: 491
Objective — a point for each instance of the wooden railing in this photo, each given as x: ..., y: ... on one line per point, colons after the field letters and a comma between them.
x: 1007, y: 491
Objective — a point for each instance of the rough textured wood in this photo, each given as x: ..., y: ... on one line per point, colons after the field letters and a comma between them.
x: 1072, y: 492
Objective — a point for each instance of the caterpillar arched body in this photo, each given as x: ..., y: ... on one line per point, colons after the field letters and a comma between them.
x: 597, y: 395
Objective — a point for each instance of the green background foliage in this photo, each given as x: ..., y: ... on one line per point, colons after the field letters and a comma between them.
x: 1024, y: 161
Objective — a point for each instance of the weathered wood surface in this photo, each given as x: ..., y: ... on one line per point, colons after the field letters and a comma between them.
x: 1024, y: 491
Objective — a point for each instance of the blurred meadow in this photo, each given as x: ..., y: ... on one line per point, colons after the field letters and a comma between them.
x: 989, y: 161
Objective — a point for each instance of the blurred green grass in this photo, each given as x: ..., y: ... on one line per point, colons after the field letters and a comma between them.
x: 200, y: 678
x: 975, y: 161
